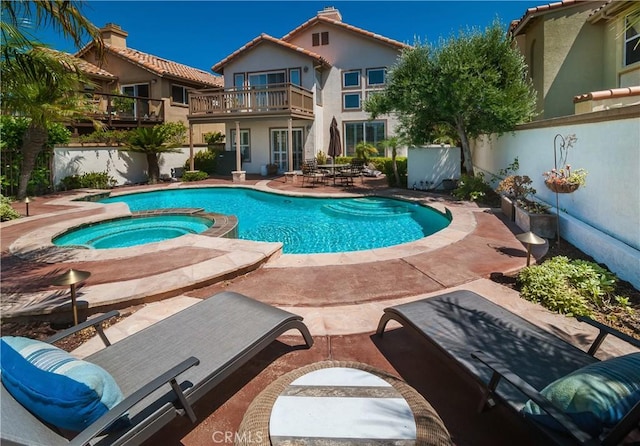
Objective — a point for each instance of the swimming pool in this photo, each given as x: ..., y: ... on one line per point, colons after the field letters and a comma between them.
x: 132, y: 231
x: 304, y: 225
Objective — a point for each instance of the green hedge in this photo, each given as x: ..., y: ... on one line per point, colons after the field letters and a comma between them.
x: 205, y: 160
x: 385, y: 166
x: 195, y: 175
x: 93, y: 180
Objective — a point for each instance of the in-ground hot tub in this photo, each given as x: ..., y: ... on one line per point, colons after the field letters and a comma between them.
x: 132, y: 231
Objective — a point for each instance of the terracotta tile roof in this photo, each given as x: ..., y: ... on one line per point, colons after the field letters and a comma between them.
x: 86, y: 67
x: 608, y: 94
x: 94, y: 70
x: 160, y: 67
x: 267, y: 38
x: 164, y: 67
x: 518, y: 25
x: 320, y: 19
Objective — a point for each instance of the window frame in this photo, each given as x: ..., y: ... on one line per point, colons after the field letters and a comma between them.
x: 344, y: 101
x: 351, y: 87
x: 293, y: 70
x: 629, y: 40
x: 384, y: 77
x: 185, y: 92
x: 363, y: 129
x: 245, y: 149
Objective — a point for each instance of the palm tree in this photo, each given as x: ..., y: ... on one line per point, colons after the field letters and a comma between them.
x: 45, y: 93
x: 393, y: 144
x: 364, y: 150
x: 152, y: 141
x: 37, y: 83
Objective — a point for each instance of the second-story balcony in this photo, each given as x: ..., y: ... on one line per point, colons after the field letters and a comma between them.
x: 275, y: 100
x: 125, y: 111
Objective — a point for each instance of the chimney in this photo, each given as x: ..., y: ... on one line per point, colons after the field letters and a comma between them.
x: 330, y: 12
x: 114, y: 35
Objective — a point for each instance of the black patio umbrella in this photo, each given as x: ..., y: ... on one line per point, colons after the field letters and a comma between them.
x: 335, y: 146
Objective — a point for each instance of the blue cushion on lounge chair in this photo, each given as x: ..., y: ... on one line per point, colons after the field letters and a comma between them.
x: 596, y: 396
x: 53, y: 385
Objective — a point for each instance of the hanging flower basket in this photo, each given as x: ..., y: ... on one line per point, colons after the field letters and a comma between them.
x: 562, y: 187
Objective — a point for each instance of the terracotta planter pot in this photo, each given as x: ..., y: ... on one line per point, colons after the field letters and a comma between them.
x: 544, y: 225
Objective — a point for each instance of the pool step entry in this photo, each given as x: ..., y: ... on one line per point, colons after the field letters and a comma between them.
x: 369, y: 208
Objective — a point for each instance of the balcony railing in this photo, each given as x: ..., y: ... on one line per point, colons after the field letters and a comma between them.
x: 117, y: 109
x: 274, y: 99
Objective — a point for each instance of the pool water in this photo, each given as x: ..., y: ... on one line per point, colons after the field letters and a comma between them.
x: 303, y: 225
x: 133, y: 231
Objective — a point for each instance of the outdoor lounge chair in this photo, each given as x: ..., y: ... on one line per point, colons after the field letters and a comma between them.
x: 164, y: 369
x: 511, y: 358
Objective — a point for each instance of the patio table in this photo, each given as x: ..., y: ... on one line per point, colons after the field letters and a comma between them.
x: 333, y: 168
x: 332, y: 402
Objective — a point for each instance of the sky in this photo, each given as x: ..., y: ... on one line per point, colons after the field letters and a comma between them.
x: 201, y: 33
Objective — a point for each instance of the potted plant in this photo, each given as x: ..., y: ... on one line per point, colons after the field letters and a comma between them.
x: 511, y: 188
x: 272, y: 169
x: 565, y: 181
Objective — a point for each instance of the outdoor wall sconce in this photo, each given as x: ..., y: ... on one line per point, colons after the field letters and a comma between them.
x: 73, y: 277
x: 26, y: 204
x: 529, y: 238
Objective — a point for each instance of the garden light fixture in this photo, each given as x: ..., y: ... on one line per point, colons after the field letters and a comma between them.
x: 72, y: 277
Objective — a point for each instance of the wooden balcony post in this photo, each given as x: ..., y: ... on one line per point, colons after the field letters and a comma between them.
x: 191, y: 164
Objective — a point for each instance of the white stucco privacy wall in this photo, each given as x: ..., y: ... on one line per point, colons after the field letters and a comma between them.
x: 601, y: 218
x: 125, y: 167
x: 428, y: 166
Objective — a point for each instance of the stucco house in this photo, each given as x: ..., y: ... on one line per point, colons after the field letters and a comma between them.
x: 156, y: 88
x: 583, y: 56
x: 280, y: 94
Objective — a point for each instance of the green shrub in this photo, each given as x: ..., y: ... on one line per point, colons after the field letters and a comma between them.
x: 573, y: 287
x: 93, y: 180
x: 195, y: 175
x: 205, y: 160
x: 6, y: 211
x: 106, y: 137
x: 472, y: 188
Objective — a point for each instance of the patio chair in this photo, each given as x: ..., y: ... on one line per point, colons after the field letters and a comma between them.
x: 157, y: 369
x: 510, y: 358
x: 311, y: 173
x: 355, y: 169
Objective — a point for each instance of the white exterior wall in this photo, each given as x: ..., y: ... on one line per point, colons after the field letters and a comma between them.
x: 601, y: 218
x: 125, y: 167
x: 432, y: 165
x: 346, y: 51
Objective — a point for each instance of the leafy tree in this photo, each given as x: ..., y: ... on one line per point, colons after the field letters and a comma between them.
x: 469, y: 85
x: 152, y: 141
x: 39, y: 83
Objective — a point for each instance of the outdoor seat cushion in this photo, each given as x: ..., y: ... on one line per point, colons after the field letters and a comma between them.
x: 53, y: 385
x: 596, y: 396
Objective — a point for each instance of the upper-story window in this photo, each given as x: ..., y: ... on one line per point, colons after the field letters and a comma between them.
x: 318, y: 39
x: 294, y: 76
x: 268, y: 78
x: 376, y: 77
x: 351, y: 79
x: 351, y: 101
x: 632, y: 39
x: 179, y: 94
